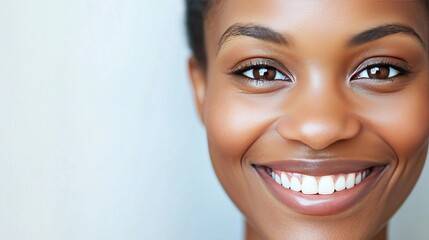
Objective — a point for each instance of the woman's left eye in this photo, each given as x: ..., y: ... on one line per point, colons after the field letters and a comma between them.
x: 264, y: 73
x: 380, y: 72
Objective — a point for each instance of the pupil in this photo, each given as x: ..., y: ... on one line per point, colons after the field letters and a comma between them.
x: 375, y: 71
x: 264, y: 73
x: 379, y: 72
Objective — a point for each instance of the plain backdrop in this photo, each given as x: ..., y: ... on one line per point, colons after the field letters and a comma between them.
x: 99, y: 138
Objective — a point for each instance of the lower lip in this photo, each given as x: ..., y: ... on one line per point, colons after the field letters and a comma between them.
x: 322, y: 205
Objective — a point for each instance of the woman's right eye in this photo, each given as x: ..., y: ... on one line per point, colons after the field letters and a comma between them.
x: 264, y: 73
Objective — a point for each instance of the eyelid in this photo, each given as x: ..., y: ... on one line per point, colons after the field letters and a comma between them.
x: 259, y: 62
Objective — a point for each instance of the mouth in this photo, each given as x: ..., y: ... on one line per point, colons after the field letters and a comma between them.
x: 320, y: 187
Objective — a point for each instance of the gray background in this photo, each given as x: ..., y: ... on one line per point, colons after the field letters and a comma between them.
x: 99, y: 138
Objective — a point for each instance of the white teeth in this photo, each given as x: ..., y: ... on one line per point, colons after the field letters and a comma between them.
x: 350, y: 181
x: 285, y: 180
x: 358, y: 178
x: 277, y: 178
x: 317, y: 185
x: 295, y: 185
x: 326, y: 185
x: 340, y: 184
x: 309, y: 185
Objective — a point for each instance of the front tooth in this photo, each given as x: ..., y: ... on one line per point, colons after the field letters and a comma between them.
x: 350, y: 181
x: 326, y: 185
x: 309, y: 185
x: 277, y: 178
x: 285, y: 180
x: 340, y: 184
x: 358, y: 178
x: 295, y: 185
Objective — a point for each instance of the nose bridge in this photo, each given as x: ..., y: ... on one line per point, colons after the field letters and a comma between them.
x: 319, y: 116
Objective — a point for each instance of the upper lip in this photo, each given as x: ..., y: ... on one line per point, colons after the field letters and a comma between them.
x: 321, y: 167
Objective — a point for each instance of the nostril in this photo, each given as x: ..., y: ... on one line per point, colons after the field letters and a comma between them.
x: 319, y: 133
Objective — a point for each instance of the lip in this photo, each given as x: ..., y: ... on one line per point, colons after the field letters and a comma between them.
x: 321, y: 205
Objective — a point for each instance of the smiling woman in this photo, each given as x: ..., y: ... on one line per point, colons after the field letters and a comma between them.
x: 315, y: 111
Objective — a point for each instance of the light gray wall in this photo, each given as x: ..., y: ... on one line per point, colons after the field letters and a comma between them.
x: 99, y: 138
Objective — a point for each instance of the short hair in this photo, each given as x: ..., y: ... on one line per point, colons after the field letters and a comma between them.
x: 196, y: 13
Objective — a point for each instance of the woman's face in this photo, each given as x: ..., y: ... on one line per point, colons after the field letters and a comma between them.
x: 317, y: 112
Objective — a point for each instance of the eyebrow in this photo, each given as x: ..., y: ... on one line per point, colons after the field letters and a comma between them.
x: 254, y: 31
x: 269, y: 35
x: 384, y: 31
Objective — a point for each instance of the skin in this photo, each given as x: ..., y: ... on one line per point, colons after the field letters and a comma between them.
x: 324, y: 111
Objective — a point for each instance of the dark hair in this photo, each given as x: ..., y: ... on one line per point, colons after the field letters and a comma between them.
x: 196, y: 13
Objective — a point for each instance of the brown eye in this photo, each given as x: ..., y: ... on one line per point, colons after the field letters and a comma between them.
x: 381, y: 72
x: 378, y: 72
x: 264, y: 73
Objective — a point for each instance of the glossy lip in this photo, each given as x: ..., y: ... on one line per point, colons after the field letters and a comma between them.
x: 321, y: 205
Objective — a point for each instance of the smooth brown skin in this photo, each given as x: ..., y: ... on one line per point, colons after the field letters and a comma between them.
x: 323, y: 112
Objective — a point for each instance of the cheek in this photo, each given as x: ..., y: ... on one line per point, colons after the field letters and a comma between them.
x: 403, y: 123
x: 233, y: 122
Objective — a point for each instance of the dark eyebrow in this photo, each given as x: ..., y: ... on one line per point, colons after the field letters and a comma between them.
x: 383, y: 31
x: 254, y: 31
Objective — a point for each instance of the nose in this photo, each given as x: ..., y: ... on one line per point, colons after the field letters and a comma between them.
x: 319, y: 121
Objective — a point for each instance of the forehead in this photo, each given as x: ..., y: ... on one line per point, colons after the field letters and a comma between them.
x: 314, y: 18
x: 221, y: 8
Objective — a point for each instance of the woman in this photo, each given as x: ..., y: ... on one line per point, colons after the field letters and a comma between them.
x: 316, y: 112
